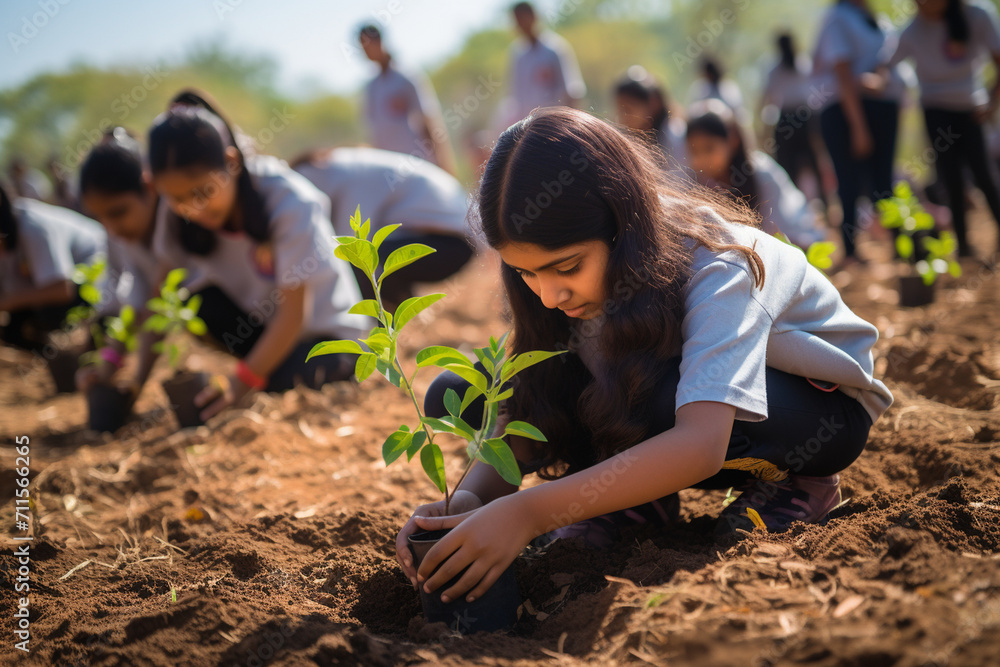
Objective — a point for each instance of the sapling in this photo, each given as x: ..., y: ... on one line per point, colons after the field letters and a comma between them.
x: 174, y: 312
x: 903, y: 212
x: 379, y: 353
x: 86, y: 276
x: 120, y: 328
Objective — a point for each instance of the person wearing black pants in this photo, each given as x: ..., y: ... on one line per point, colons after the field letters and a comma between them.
x: 947, y: 42
x: 861, y: 112
x: 812, y: 432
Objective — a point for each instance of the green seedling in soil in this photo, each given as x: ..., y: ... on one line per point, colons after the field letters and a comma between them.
x: 379, y: 353
x: 86, y: 276
x: 174, y: 312
x: 729, y: 497
x: 903, y: 212
x: 120, y: 328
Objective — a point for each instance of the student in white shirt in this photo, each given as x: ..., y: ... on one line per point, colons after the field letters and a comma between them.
x: 256, y: 242
x: 721, y: 158
x: 40, y: 246
x: 787, y: 103
x: 401, y: 110
x: 859, y: 117
x: 701, y: 352
x: 390, y: 188
x: 644, y: 106
x: 117, y: 190
x: 949, y: 42
x: 543, y: 67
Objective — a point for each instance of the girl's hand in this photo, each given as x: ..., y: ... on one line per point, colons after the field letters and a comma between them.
x: 862, y: 143
x: 461, y: 502
x: 220, y: 394
x: 487, y: 540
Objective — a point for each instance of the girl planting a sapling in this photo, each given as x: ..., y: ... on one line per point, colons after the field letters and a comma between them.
x: 703, y: 352
x: 255, y: 240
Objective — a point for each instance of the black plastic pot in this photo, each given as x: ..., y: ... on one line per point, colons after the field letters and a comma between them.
x: 181, y: 390
x: 495, y: 610
x: 63, y: 366
x: 109, y: 407
x: 914, y: 292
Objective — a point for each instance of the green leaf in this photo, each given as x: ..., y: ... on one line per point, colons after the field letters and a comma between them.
x: 365, y: 229
x: 389, y: 372
x: 471, y: 394
x: 503, y: 396
x: 518, y: 363
x: 395, y: 445
x: 127, y: 315
x: 418, y: 440
x: 433, y: 464
x: 436, y: 355
x: 439, y: 425
x: 197, y: 326
x: 452, y: 403
x: 157, y: 323
x: 470, y: 375
x: 194, y: 304
x: 355, y: 220
x: 381, y: 234
x: 412, y: 307
x: 157, y: 305
x: 334, y: 347
x: 461, y: 427
x: 367, y: 307
x: 361, y: 254
x: 174, y: 279
x: 404, y: 256
x: 818, y: 254
x: 954, y: 269
x: 90, y: 294
x: 497, y: 453
x: 923, y: 221
x: 365, y: 366
x: 485, y: 358
x: 378, y: 342
x: 525, y: 430
x: 904, y: 246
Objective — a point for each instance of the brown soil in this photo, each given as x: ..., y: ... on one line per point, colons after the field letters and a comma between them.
x: 265, y: 537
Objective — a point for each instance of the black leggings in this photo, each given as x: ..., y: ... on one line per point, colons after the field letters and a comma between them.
x: 453, y: 252
x: 957, y: 140
x: 794, y: 149
x: 238, y: 332
x: 871, y: 176
x: 808, y: 431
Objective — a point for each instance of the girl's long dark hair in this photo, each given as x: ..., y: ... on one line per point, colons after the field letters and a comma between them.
x: 786, y: 48
x: 193, y: 133
x: 715, y: 119
x: 114, y: 165
x: 8, y: 223
x: 561, y: 177
x: 956, y: 22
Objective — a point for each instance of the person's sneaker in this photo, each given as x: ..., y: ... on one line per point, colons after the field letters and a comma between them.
x: 779, y: 504
x: 602, y: 531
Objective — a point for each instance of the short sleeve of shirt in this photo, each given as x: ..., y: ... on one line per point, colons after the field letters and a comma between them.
x: 902, y: 50
x: 988, y: 26
x: 725, y: 333
x: 49, y: 257
x: 834, y: 42
x: 569, y: 72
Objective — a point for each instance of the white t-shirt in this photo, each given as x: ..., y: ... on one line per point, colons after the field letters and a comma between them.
x: 946, y: 81
x: 544, y: 74
x: 796, y: 323
x: 782, y: 206
x: 789, y: 89
x: 52, y: 240
x: 300, y: 251
x: 133, y: 273
x: 846, y: 36
x: 395, y: 109
x: 672, y: 137
x: 391, y: 189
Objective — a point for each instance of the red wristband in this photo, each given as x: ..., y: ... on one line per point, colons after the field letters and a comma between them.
x: 248, y: 377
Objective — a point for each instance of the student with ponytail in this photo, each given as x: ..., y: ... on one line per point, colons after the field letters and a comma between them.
x: 255, y: 239
x: 949, y: 42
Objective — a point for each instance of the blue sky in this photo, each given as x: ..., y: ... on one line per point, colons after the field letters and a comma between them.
x: 307, y: 38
